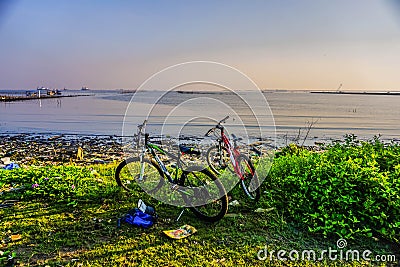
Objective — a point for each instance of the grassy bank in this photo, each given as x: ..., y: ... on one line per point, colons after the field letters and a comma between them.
x: 67, y: 215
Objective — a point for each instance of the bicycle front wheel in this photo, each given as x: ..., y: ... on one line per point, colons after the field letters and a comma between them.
x: 205, y: 195
x: 249, y: 182
x: 218, y: 159
x: 127, y: 175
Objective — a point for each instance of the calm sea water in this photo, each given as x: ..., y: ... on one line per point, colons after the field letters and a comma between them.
x: 102, y: 113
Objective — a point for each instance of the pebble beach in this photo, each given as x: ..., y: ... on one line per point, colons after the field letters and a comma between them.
x: 30, y: 149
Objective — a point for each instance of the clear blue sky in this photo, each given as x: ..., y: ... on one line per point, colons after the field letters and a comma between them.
x: 287, y: 44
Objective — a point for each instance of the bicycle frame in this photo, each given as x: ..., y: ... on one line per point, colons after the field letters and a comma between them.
x: 152, y: 148
x: 233, y: 154
x: 232, y: 149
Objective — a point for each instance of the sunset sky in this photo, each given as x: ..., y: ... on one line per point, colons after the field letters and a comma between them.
x: 280, y: 44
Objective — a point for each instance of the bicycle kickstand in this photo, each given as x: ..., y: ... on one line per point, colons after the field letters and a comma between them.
x: 180, y: 215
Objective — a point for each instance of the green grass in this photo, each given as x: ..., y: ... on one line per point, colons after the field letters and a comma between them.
x: 70, y: 219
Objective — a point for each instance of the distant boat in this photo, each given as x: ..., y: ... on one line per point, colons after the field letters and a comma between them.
x: 54, y: 92
x: 85, y: 88
x: 31, y: 93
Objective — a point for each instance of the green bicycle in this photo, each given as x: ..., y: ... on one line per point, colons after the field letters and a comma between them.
x: 199, y: 188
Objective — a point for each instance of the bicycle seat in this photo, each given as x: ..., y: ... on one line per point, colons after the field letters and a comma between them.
x: 189, y: 150
x: 235, y: 138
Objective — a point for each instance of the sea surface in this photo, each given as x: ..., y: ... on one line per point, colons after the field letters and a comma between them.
x: 298, y: 116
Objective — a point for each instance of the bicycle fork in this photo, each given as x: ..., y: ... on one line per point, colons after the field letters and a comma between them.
x: 142, y: 165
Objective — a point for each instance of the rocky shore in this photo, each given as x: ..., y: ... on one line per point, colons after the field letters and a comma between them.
x: 47, y: 149
x: 31, y: 149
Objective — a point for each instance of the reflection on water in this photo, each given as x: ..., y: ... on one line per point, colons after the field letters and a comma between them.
x: 103, y: 113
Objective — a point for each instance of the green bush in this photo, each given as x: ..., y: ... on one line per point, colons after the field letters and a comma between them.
x: 348, y: 190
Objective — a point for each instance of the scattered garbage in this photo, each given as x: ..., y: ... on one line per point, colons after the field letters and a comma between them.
x: 12, y: 189
x: 7, y: 258
x: 182, y: 232
x: 94, y: 172
x: 98, y: 161
x: 7, y: 164
x: 16, y: 237
x: 261, y: 210
x: 31, y: 149
x: 145, y: 209
x: 7, y: 203
x: 79, y: 154
x: 5, y: 160
x: 234, y: 203
x: 11, y: 166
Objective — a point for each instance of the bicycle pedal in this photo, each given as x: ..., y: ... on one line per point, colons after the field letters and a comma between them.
x: 174, y: 187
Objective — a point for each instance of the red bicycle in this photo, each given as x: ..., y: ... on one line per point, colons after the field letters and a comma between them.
x: 226, y: 155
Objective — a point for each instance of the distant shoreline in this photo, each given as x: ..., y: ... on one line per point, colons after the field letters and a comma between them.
x: 355, y: 93
x: 297, y: 91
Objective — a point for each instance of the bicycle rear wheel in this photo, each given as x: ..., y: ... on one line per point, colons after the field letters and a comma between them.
x: 250, y: 183
x: 205, y: 195
x: 127, y: 175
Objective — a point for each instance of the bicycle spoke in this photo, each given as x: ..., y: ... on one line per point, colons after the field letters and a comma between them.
x: 207, y: 198
x: 128, y: 175
x: 249, y: 179
x: 218, y: 159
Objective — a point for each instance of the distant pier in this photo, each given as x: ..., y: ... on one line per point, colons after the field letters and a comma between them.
x: 11, y: 98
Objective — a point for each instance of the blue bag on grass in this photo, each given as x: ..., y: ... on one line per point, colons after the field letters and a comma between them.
x: 138, y: 218
x: 143, y: 216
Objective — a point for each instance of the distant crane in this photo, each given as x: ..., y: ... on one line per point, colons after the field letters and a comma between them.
x: 340, y: 86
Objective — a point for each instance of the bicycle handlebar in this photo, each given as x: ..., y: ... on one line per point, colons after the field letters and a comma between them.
x: 143, y: 125
x: 141, y: 128
x: 210, y: 131
x: 140, y: 132
x: 218, y: 126
x: 223, y: 120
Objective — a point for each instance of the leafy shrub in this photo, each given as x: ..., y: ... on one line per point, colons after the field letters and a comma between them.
x: 350, y: 189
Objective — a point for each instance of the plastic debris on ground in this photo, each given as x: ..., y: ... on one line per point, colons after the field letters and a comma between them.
x: 11, y: 166
x: 79, y: 154
x: 7, y: 203
x: 145, y: 209
x: 261, y: 210
x: 16, y: 237
x: 182, y: 232
x: 234, y: 203
x: 7, y: 164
